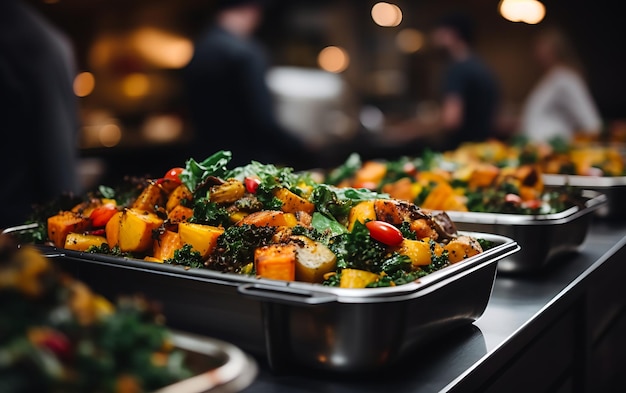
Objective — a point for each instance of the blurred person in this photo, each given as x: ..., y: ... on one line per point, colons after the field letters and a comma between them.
x: 470, y: 91
x: 560, y: 104
x: 38, y: 110
x: 229, y: 101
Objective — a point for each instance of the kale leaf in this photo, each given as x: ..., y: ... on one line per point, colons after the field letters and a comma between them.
x: 186, y: 256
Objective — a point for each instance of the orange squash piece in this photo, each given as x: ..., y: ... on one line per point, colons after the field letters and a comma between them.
x: 63, y: 223
x: 293, y: 203
x: 80, y: 242
x: 270, y: 218
x: 164, y: 247
x: 202, y: 238
x: 180, y: 214
x: 136, y: 228
x: 112, y: 229
x: 276, y: 262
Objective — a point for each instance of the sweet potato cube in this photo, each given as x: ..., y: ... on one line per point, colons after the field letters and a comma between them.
x: 180, y: 214
x: 293, y: 203
x: 355, y: 278
x: 202, y: 238
x: 164, y: 247
x: 179, y: 194
x: 80, y: 242
x: 112, y: 229
x: 437, y: 198
x: 136, y: 228
x: 362, y: 212
x: 276, y: 261
x: 63, y: 223
x: 270, y: 218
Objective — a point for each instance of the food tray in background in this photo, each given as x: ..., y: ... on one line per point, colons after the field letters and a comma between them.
x: 297, y: 324
x: 219, y: 366
x: 613, y: 187
x: 541, y: 237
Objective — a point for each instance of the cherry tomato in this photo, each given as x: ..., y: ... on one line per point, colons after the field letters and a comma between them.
x: 532, y: 204
x: 384, y: 232
x: 174, y: 174
x: 513, y: 199
x: 252, y: 184
x: 409, y: 168
x: 101, y: 215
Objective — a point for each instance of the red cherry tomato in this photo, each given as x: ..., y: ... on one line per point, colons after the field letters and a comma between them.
x: 174, y: 174
x: 532, y: 204
x: 513, y: 199
x: 101, y: 215
x: 384, y: 232
x: 370, y: 185
x: 252, y: 184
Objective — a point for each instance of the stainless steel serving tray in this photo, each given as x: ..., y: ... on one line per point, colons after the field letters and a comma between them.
x: 541, y: 237
x: 613, y: 187
x: 301, y: 324
x: 219, y: 366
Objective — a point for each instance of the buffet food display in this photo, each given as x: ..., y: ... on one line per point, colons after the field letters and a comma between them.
x: 279, y: 264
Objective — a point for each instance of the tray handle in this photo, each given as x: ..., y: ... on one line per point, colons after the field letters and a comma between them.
x: 285, y: 294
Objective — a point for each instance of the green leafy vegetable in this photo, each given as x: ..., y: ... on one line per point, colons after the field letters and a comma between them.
x: 186, y: 256
x: 235, y: 247
x: 346, y: 170
x: 197, y: 172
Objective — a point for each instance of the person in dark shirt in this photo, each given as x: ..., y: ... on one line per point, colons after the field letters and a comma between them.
x: 38, y: 110
x: 470, y: 92
x: 229, y: 101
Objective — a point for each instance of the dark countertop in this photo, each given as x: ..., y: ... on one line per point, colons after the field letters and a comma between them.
x: 520, y: 307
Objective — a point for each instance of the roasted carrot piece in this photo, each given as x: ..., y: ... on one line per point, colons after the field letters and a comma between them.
x: 276, y: 261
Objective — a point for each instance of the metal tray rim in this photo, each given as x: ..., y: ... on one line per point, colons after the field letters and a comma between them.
x: 595, y: 201
x: 317, y: 292
x: 584, y: 181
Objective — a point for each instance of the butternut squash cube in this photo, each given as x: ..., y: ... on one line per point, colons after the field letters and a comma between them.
x: 461, y: 248
x: 112, y: 229
x: 293, y: 203
x: 417, y: 250
x: 150, y: 197
x: 136, y: 228
x: 355, y: 278
x: 62, y: 224
x: 179, y: 214
x: 276, y: 262
x: 362, y: 212
x: 164, y: 247
x: 201, y: 238
x: 80, y: 242
x: 270, y: 218
x: 179, y: 194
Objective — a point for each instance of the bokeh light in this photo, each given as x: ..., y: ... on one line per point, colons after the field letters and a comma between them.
x: 110, y: 135
x: 136, y: 85
x: 333, y: 59
x: 84, y: 83
x: 527, y: 11
x: 386, y: 14
x: 410, y: 40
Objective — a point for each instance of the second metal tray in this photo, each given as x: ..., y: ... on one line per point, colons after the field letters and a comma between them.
x: 613, y: 187
x: 541, y: 237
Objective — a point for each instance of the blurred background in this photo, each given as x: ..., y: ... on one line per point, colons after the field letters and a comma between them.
x: 340, y: 70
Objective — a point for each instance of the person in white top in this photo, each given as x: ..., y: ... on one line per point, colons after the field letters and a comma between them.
x: 560, y: 105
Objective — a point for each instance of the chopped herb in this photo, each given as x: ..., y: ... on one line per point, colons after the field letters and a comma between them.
x: 186, y: 256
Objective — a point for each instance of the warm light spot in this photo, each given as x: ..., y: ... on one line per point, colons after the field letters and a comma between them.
x: 50, y: 1
x: 136, y: 85
x: 333, y: 59
x: 110, y: 135
x: 527, y: 11
x: 162, y: 128
x: 386, y: 14
x: 410, y: 40
x: 84, y: 84
x: 161, y: 48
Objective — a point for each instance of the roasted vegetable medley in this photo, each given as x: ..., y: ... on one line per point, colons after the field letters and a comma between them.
x: 56, y: 335
x: 266, y: 221
x: 472, y: 178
